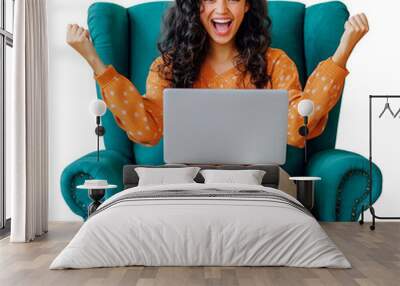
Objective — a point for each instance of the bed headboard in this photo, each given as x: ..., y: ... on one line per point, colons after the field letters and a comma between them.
x: 270, y: 179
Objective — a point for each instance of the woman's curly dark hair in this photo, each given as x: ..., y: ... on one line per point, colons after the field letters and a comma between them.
x: 184, y: 43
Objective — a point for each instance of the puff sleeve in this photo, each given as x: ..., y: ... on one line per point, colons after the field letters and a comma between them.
x: 140, y: 116
x: 323, y: 87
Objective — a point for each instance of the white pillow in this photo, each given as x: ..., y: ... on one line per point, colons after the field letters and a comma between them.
x: 164, y: 176
x: 249, y: 177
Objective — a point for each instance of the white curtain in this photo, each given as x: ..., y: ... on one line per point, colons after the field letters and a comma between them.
x: 28, y: 158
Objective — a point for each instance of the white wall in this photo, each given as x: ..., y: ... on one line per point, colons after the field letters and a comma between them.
x: 373, y: 69
x: 72, y: 88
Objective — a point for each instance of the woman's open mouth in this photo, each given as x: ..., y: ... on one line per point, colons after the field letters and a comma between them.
x: 222, y: 26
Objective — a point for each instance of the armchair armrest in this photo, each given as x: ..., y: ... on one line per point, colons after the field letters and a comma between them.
x: 109, y: 167
x: 343, y: 192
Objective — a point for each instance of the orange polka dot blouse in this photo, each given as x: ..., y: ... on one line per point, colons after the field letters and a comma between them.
x: 142, y: 116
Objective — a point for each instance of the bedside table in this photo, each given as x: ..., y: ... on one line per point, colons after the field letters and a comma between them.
x: 305, y: 190
x: 96, y: 190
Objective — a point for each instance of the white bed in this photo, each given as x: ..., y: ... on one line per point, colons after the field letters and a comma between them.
x: 265, y: 229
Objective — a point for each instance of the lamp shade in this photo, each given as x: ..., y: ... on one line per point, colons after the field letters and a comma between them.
x: 305, y: 107
x: 98, y: 107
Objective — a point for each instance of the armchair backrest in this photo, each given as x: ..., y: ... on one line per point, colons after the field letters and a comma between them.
x: 127, y: 37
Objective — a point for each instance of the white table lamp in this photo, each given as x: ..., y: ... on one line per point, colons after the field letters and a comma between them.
x: 98, y: 108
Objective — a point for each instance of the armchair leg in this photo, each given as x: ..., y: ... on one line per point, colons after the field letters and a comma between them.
x: 362, y: 216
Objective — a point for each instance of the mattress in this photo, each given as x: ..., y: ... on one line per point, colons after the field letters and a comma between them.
x: 201, y: 225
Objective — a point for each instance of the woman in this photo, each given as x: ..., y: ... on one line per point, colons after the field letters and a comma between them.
x: 219, y: 44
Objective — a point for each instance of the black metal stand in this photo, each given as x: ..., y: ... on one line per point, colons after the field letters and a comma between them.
x: 96, y: 195
x: 305, y: 193
x: 303, y: 131
x: 100, y: 131
x: 371, y: 208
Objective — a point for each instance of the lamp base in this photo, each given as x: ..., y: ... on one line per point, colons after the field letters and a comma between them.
x: 303, y: 130
x: 100, y: 130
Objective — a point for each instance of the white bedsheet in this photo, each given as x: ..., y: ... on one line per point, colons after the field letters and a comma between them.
x: 193, y: 231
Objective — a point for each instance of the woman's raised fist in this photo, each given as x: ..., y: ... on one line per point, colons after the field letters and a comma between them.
x: 355, y: 29
x: 79, y: 39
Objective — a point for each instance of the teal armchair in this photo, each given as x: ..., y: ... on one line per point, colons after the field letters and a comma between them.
x: 126, y: 38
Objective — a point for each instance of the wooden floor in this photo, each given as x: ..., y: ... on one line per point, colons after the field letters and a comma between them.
x: 375, y: 257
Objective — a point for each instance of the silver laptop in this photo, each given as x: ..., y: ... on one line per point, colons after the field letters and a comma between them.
x: 225, y: 126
